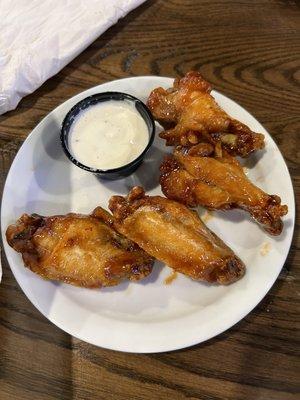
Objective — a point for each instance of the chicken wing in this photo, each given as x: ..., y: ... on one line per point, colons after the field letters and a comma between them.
x: 197, y: 176
x: 83, y: 250
x: 175, y: 235
x: 189, y: 113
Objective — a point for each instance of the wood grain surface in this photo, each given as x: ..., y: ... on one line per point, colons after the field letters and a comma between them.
x: 249, y: 50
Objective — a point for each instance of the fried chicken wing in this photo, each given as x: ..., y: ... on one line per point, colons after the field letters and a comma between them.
x: 83, y: 250
x: 175, y: 235
x: 189, y: 113
x: 196, y: 176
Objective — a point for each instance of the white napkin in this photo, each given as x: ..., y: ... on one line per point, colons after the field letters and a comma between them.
x: 38, y: 38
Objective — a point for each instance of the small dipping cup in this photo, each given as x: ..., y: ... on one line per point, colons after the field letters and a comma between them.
x: 123, y: 170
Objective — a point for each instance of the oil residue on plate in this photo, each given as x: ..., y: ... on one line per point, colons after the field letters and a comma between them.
x: 208, y: 215
x: 265, y: 248
x: 169, y: 279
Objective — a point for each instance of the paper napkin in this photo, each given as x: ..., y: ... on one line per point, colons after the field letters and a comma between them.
x: 38, y: 38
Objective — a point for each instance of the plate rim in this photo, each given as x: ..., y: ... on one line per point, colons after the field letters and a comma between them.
x: 164, y: 348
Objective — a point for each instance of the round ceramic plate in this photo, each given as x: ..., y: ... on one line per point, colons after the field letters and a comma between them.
x: 148, y: 316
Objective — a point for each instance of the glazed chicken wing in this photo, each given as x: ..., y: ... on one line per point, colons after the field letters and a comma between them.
x: 175, y: 235
x: 83, y: 250
x: 189, y: 113
x: 196, y: 176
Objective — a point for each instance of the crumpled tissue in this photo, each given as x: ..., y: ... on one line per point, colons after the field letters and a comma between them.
x: 38, y: 38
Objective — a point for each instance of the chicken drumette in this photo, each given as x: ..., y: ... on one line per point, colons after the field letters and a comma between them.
x: 189, y: 113
x: 200, y: 175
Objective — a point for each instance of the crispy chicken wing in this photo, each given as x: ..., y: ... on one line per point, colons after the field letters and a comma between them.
x: 189, y: 113
x: 83, y: 250
x: 197, y: 176
x: 175, y: 235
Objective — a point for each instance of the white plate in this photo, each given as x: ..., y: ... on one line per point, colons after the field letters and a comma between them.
x: 148, y: 316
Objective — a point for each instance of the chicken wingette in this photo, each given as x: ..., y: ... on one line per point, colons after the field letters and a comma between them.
x: 83, y: 250
x: 172, y: 233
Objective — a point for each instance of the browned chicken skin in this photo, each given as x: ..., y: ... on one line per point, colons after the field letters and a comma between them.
x: 190, y: 114
x: 175, y: 235
x: 83, y: 250
x: 197, y: 176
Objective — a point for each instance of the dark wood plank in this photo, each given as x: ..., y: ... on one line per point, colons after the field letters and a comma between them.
x: 250, y: 51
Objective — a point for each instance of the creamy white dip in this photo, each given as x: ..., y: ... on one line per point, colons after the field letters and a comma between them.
x: 108, y: 135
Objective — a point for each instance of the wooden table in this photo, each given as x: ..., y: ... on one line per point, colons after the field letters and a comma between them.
x: 250, y: 51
